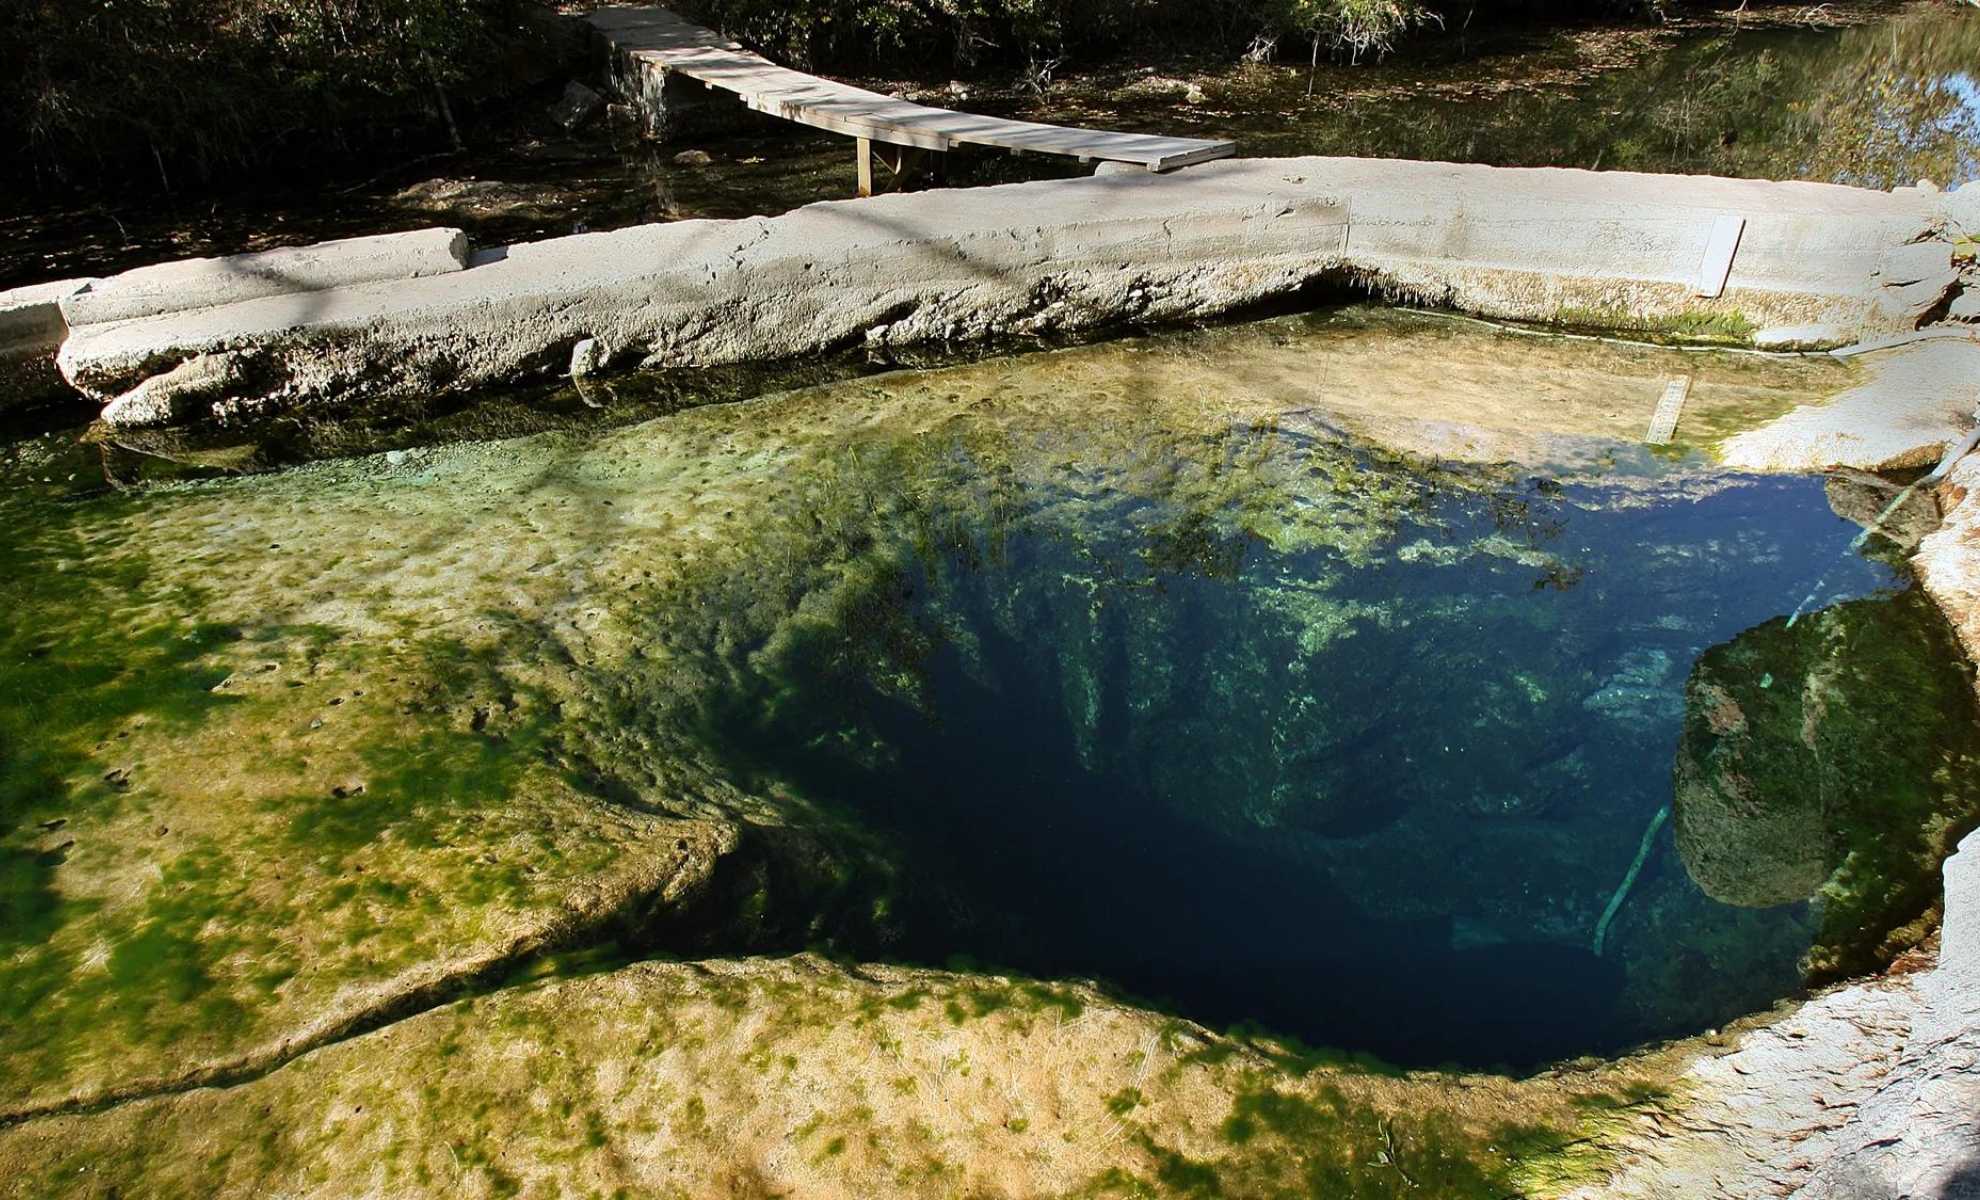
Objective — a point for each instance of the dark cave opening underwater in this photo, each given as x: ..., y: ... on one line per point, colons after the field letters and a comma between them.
x: 1377, y: 792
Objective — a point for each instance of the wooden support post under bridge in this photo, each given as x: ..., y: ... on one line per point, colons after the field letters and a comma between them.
x: 651, y: 40
x: 905, y: 163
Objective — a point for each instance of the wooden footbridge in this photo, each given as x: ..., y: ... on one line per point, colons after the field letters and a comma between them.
x: 656, y: 40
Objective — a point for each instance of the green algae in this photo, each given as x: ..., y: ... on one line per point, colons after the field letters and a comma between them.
x: 204, y: 954
x: 820, y: 553
x: 1691, y: 326
x: 1319, y: 1142
x: 523, y: 1102
x: 1836, y: 758
x: 74, y: 681
x: 71, y: 680
x: 419, y: 791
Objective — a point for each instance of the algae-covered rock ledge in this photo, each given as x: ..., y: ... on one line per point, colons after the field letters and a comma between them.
x: 369, y: 831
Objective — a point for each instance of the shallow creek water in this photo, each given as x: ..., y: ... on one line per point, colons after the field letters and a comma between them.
x: 1325, y: 671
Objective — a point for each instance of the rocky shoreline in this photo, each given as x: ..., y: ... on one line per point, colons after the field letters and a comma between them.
x: 1790, y: 265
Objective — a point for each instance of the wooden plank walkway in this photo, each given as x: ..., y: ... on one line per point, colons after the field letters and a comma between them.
x: 657, y: 38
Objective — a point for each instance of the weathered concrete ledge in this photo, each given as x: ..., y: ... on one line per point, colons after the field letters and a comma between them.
x: 214, y: 282
x: 31, y: 330
x: 1798, y: 262
x: 31, y: 317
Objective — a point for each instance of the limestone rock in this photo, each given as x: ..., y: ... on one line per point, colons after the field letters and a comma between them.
x: 1801, y: 337
x: 174, y: 394
x: 577, y: 105
x: 588, y: 357
x: 1960, y: 209
x: 1835, y: 758
x: 1913, y: 401
x: 1868, y: 501
x: 1865, y: 1093
x: 1749, y: 820
x: 1965, y: 305
x: 31, y: 327
x: 464, y: 199
x: 1757, y: 1121
x: 1917, y: 1136
x: 31, y: 317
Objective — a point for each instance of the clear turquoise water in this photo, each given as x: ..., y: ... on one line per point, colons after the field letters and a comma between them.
x: 1374, y: 795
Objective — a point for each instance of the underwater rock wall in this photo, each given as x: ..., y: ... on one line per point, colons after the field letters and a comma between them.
x: 1799, y: 774
x: 1868, y: 1091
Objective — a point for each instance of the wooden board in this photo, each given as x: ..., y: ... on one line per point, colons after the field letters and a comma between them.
x: 1670, y: 406
x: 661, y: 40
x: 1720, y: 246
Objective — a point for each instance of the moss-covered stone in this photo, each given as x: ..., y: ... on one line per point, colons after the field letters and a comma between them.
x: 1834, y: 758
x: 695, y: 1080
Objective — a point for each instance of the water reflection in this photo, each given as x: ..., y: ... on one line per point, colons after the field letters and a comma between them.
x: 1880, y: 104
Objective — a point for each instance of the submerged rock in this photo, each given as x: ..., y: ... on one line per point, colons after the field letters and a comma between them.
x: 1835, y: 758
x: 1903, y: 516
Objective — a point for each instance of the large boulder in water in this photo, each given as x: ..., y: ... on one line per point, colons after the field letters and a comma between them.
x: 1751, y: 824
x: 1836, y: 758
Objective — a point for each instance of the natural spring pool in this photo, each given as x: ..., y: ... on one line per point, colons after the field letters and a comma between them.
x: 1360, y: 747
x: 1327, y: 672
x: 1377, y: 791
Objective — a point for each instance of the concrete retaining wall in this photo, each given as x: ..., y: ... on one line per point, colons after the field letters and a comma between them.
x: 1813, y: 262
x: 31, y: 317
x: 31, y: 328
x: 210, y: 282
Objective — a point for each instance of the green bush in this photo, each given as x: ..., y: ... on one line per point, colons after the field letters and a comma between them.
x: 1358, y: 27
x: 186, y: 87
x: 924, y: 36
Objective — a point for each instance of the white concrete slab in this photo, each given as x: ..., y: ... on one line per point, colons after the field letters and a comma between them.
x: 206, y: 282
x: 1605, y: 248
x: 31, y: 317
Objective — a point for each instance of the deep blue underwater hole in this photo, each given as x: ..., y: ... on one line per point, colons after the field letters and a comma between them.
x: 1376, y: 789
